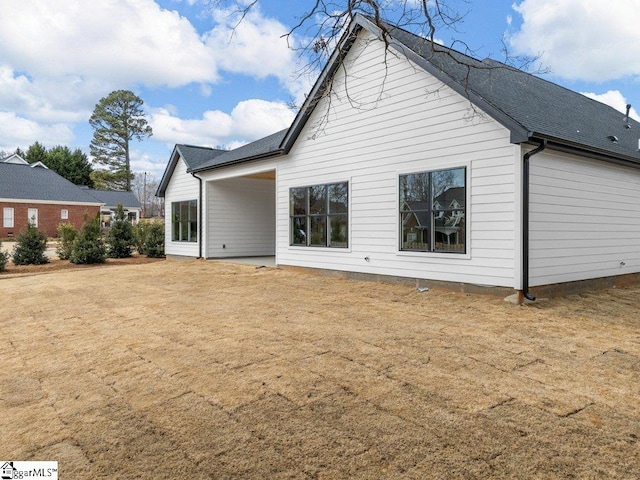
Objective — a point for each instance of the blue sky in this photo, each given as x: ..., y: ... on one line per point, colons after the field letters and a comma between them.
x: 203, y: 86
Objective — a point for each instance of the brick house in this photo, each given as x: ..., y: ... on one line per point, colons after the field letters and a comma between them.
x: 37, y: 194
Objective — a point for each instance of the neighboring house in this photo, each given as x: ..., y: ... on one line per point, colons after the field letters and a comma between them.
x: 111, y: 199
x: 508, y: 176
x: 36, y: 194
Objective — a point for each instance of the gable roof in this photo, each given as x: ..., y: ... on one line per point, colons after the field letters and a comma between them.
x: 15, y: 158
x: 530, y: 107
x: 22, y: 182
x: 113, y: 198
x: 192, y: 155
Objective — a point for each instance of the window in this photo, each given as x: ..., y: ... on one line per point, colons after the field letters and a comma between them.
x: 432, y: 211
x: 320, y: 215
x: 64, y: 214
x: 32, y: 216
x: 7, y: 217
x: 184, y: 221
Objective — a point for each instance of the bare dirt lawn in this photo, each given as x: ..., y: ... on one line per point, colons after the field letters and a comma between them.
x: 211, y: 370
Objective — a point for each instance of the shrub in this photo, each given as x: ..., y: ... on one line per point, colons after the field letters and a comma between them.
x: 88, y: 247
x: 150, y: 238
x: 4, y: 258
x: 66, y: 236
x: 120, y: 236
x: 140, y: 230
x: 154, y: 240
x: 30, y: 246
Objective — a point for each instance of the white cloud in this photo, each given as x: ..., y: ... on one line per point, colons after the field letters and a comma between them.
x: 249, y: 120
x: 587, y: 40
x: 120, y: 41
x: 57, y: 59
x: 21, y: 132
x: 614, y: 99
x: 254, y: 46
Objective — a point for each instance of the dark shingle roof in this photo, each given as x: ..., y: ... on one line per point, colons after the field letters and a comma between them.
x: 23, y: 182
x: 195, y: 156
x: 114, y: 198
x: 529, y: 105
x: 266, y: 146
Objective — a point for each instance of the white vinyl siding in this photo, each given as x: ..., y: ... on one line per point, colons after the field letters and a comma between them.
x: 182, y: 187
x: 7, y: 217
x: 416, y: 124
x: 584, y: 221
x: 241, y: 217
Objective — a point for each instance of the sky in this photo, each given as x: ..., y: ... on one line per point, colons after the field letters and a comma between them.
x: 204, y: 82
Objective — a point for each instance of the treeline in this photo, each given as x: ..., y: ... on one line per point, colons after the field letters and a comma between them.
x: 73, y: 165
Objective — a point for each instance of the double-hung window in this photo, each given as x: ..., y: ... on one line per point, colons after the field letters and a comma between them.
x: 184, y: 221
x: 32, y: 216
x: 319, y: 215
x: 432, y: 211
x: 7, y: 217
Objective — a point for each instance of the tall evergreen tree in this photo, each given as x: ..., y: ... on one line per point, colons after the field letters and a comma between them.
x: 36, y: 153
x: 117, y: 119
x: 72, y: 165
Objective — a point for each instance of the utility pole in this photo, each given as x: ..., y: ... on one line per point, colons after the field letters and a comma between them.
x: 144, y: 196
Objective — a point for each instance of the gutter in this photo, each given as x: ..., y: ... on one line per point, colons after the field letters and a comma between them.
x: 525, y: 219
x: 199, y: 216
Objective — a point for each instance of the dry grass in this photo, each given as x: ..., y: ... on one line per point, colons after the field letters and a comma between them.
x: 208, y: 370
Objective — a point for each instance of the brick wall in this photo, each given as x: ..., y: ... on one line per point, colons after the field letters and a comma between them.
x: 49, y: 217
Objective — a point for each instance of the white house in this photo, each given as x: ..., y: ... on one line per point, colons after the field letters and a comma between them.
x: 432, y: 166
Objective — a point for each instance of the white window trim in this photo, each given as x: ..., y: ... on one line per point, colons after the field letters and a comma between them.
x: 30, y: 215
x: 64, y: 214
x: 5, y: 217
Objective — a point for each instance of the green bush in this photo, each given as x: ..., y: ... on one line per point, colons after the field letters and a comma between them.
x: 30, y: 246
x: 149, y: 238
x: 4, y: 258
x: 88, y: 247
x: 66, y: 236
x: 140, y: 230
x: 120, y: 236
x: 154, y: 240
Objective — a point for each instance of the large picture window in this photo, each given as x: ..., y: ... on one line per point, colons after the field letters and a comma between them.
x: 184, y: 221
x: 320, y: 215
x: 432, y: 211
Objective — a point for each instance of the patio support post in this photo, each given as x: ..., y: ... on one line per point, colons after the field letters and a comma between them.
x: 199, y: 215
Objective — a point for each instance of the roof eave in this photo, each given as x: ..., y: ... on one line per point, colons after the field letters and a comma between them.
x: 168, y: 172
x: 565, y: 146
x: 252, y: 158
x: 316, y: 93
x: 519, y: 133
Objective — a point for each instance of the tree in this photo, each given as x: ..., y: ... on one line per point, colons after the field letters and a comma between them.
x: 145, y: 186
x: 117, y: 119
x: 120, y: 237
x: 88, y: 247
x: 72, y: 165
x: 320, y: 25
x: 30, y: 247
x: 36, y: 153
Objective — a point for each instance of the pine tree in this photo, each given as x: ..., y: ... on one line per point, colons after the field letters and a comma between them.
x: 117, y: 119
